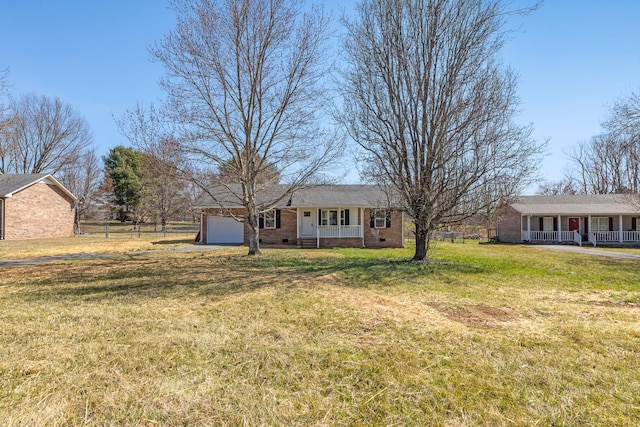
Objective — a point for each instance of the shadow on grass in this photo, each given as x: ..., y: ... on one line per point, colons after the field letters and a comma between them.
x: 217, y: 275
x: 172, y: 241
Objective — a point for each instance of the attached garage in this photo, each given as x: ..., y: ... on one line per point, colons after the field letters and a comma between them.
x: 224, y: 230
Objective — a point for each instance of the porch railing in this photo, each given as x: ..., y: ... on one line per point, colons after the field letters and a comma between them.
x: 631, y: 236
x: 577, y: 238
x: 339, y: 231
x: 592, y: 239
x: 607, y: 236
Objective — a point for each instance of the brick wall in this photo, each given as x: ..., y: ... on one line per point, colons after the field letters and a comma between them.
x: 392, y: 236
x: 287, y: 231
x: 38, y: 211
x: 509, y: 225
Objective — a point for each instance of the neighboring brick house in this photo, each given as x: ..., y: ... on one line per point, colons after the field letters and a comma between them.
x: 597, y: 219
x: 35, y: 206
x: 318, y: 216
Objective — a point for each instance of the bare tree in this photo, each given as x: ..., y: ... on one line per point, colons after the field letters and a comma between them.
x: 164, y: 181
x: 431, y: 107
x: 84, y: 179
x: 244, y: 80
x: 7, y: 121
x: 47, y: 135
x: 561, y: 187
x: 610, y: 162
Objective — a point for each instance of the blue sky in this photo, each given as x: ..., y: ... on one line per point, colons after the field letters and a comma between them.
x: 574, y: 58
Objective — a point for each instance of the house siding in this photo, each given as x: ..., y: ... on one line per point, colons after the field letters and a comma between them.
x: 38, y: 211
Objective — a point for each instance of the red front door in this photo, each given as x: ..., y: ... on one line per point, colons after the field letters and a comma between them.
x: 574, y: 224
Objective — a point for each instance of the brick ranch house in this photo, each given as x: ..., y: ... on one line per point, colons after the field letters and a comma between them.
x: 313, y: 217
x: 596, y: 219
x: 35, y: 206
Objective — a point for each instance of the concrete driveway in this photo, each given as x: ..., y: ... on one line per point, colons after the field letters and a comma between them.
x: 589, y: 251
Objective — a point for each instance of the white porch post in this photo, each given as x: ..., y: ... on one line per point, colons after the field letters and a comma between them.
x: 559, y: 228
x: 620, y: 228
x: 298, y: 223
x: 529, y: 227
x: 362, y: 225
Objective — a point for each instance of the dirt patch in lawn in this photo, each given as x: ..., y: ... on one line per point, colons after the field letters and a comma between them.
x: 478, y: 315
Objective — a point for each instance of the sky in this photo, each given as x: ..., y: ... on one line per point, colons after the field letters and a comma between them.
x: 574, y: 58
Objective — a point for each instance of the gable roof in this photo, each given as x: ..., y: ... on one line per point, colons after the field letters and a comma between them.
x: 312, y: 196
x: 13, y: 183
x: 592, y: 204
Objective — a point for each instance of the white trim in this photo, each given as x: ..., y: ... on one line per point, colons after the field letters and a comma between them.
x: 264, y: 219
x: 201, y: 228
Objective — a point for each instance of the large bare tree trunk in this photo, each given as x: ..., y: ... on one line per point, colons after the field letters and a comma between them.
x: 245, y: 83
x: 431, y: 107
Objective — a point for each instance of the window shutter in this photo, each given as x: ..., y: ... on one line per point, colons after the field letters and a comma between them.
x: 388, y: 224
x: 371, y: 219
x: 555, y: 223
x: 346, y: 217
x: 541, y: 224
x: 610, y: 223
x: 261, y: 221
x: 634, y: 223
x: 586, y: 225
x: 277, y: 218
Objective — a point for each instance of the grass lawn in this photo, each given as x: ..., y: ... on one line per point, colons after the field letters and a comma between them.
x: 482, y: 335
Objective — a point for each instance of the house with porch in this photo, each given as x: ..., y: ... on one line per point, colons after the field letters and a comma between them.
x: 312, y: 217
x: 597, y: 219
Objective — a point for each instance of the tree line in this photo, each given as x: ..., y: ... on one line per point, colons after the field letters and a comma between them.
x: 608, y: 163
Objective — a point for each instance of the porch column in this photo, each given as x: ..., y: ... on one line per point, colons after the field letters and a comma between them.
x: 362, y: 225
x: 529, y: 227
x: 620, y: 228
x: 559, y: 228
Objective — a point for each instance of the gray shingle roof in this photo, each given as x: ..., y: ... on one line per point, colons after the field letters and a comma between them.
x: 12, y: 183
x: 315, y: 196
x: 593, y: 204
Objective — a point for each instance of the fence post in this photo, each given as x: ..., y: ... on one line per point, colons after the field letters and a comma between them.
x: 107, y: 231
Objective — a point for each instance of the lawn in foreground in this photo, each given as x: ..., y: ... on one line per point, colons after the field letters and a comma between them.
x: 482, y: 335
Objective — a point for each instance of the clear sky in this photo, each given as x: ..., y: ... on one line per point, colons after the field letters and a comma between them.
x: 574, y: 57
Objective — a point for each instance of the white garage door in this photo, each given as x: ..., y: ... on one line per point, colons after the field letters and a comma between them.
x: 221, y: 230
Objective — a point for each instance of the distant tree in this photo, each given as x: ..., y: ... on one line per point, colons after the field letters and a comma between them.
x: 432, y: 108
x: 46, y: 135
x: 123, y: 169
x: 7, y: 121
x: 244, y: 80
x: 561, y: 187
x: 610, y: 162
x: 84, y: 180
x: 164, y: 181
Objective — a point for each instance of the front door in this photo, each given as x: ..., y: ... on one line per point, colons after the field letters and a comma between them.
x: 574, y: 224
x: 307, y: 226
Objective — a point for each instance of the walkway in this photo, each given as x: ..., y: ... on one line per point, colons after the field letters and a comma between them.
x: 598, y: 252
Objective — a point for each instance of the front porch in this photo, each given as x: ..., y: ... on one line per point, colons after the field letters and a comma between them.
x: 331, y: 226
x: 590, y: 229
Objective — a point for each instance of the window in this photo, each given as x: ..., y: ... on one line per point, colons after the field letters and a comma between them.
x: 380, y: 218
x: 599, y: 223
x: 270, y: 219
x: 329, y: 217
x: 547, y: 223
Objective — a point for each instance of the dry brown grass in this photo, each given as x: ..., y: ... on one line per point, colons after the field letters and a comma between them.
x: 481, y: 336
